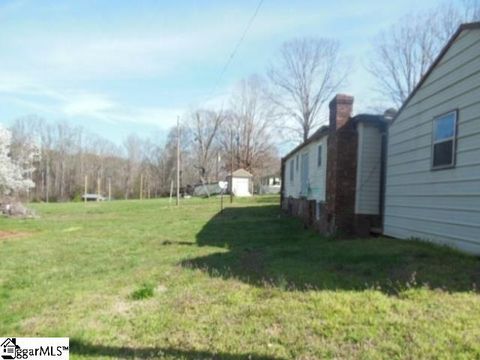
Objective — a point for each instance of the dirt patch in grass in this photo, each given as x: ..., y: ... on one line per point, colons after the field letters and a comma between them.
x: 5, y: 235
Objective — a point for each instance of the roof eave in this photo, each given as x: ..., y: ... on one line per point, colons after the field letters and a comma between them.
x: 317, y: 135
x: 461, y: 28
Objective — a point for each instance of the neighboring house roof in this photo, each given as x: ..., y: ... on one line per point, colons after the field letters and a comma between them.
x: 242, y: 173
x: 461, y: 28
x: 378, y: 120
x: 315, y: 136
x: 271, y: 176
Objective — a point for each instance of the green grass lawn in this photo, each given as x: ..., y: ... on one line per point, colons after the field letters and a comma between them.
x: 147, y: 279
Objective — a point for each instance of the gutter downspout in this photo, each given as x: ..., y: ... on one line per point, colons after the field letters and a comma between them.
x: 388, y: 117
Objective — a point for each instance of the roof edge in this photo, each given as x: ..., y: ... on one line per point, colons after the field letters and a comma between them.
x: 315, y: 136
x: 461, y: 28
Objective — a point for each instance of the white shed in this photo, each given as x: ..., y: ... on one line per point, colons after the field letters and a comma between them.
x: 433, y: 161
x: 240, y: 183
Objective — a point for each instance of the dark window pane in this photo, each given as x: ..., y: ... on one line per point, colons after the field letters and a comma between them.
x: 443, y: 154
x: 319, y: 161
x: 445, y: 127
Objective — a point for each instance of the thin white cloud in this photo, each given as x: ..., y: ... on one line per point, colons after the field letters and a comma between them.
x: 81, y: 104
x: 87, y: 104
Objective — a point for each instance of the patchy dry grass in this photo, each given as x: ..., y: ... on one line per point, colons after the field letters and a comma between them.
x: 248, y: 283
x: 12, y: 234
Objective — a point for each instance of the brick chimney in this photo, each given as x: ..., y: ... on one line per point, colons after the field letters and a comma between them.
x: 340, y: 111
x: 341, y: 166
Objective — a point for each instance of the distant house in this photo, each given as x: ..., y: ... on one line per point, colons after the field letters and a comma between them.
x: 240, y: 183
x: 433, y: 163
x: 270, y: 185
x: 333, y: 180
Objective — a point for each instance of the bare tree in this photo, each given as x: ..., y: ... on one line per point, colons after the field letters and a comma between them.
x: 203, y: 126
x: 132, y: 145
x: 248, y: 131
x: 69, y: 153
x: 307, y: 73
x: 403, y: 54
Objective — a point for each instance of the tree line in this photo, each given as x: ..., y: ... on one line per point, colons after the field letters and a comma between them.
x: 212, y: 143
x: 263, y: 111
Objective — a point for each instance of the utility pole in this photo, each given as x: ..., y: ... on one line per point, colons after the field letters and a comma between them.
x: 86, y: 188
x: 98, y: 189
x: 231, y: 166
x: 148, y: 187
x: 238, y: 151
x: 109, y: 189
x: 178, y: 160
x: 47, y: 180
x: 141, y: 186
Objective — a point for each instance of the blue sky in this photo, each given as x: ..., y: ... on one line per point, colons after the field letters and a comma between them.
x: 118, y: 67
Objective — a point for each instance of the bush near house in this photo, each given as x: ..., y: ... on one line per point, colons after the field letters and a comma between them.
x: 147, y: 279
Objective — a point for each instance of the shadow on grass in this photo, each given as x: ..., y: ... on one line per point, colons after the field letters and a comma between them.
x: 263, y: 247
x: 173, y: 242
x: 78, y: 347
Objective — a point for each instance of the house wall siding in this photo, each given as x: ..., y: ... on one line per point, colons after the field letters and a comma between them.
x: 316, y: 174
x: 441, y: 206
x: 367, y: 195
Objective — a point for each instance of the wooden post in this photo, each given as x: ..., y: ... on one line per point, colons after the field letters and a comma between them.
x: 47, y: 181
x: 98, y: 189
x: 171, y: 190
x: 216, y: 166
x: 109, y: 189
x: 86, y: 189
x: 148, y: 187
x: 231, y: 167
x: 141, y: 186
x: 178, y: 161
x: 221, y: 202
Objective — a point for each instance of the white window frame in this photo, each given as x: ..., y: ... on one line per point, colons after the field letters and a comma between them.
x: 453, y: 139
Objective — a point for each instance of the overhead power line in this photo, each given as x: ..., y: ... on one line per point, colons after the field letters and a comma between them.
x: 235, y: 49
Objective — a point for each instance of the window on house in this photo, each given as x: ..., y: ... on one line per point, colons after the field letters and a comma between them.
x: 291, y: 170
x: 304, y: 175
x: 319, y: 156
x: 444, y: 141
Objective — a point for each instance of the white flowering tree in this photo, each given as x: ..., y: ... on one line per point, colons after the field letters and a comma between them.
x: 15, y: 174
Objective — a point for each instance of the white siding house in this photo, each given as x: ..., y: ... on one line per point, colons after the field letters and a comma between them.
x: 333, y: 180
x: 305, y: 171
x: 433, y: 160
